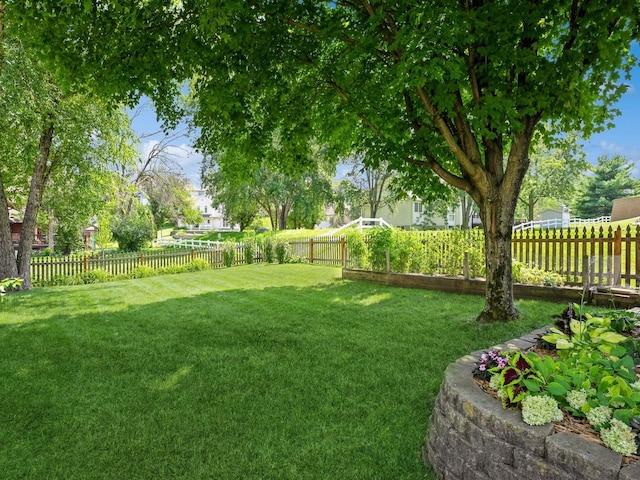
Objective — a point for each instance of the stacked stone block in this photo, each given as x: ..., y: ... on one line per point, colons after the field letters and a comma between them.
x: 471, y: 437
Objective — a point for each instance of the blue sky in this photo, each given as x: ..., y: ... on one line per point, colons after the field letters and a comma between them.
x: 623, y: 139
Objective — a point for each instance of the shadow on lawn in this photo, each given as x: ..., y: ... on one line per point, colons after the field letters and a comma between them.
x: 329, y: 381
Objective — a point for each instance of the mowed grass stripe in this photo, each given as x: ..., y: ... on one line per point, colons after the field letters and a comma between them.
x: 261, y: 371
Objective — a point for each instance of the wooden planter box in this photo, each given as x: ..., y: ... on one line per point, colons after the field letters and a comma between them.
x: 618, y: 298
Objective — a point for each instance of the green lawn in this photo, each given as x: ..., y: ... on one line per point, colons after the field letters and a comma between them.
x: 254, y: 372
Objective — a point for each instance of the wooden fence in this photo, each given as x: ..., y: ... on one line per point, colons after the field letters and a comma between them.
x: 46, y: 269
x: 594, y: 256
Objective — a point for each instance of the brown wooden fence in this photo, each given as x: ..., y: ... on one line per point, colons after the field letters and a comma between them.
x: 594, y: 256
x: 44, y: 270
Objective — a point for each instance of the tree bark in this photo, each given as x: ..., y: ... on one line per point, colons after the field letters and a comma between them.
x: 8, y: 266
x: 497, y: 210
x: 36, y: 190
x: 499, y: 304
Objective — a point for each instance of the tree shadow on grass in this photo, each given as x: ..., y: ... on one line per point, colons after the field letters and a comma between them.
x: 329, y: 381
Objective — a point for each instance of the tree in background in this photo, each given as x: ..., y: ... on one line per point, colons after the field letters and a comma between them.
x: 51, y: 153
x: 229, y: 192
x: 169, y: 198
x: 424, y: 84
x: 373, y: 181
x: 313, y: 193
x: 134, y: 230
x: 553, y: 172
x: 611, y: 179
x: 348, y: 202
x: 244, y: 189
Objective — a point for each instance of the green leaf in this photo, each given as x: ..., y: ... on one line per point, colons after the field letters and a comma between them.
x: 556, y: 389
x: 532, y: 385
x: 618, y: 351
x: 563, y: 344
x: 613, y: 337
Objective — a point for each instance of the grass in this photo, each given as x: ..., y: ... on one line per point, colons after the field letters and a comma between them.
x: 253, y: 372
x: 298, y: 234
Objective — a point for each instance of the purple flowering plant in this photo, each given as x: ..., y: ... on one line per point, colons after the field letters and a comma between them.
x: 490, y: 363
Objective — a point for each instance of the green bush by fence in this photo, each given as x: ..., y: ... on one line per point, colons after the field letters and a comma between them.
x: 573, y: 257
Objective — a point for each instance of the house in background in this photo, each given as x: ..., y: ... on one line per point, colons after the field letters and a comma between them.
x: 625, y: 208
x: 412, y: 214
x: 212, y: 218
x: 39, y: 241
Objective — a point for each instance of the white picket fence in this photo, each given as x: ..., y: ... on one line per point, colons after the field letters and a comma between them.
x: 559, y: 223
x: 186, y: 243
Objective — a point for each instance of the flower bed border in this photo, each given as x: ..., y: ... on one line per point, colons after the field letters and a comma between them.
x: 475, y: 286
x: 471, y: 437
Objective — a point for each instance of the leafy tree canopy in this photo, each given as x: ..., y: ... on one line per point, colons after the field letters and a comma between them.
x: 556, y: 166
x: 443, y: 90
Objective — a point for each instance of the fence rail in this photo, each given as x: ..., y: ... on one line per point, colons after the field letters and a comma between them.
x: 594, y: 256
x: 559, y: 223
x: 44, y: 270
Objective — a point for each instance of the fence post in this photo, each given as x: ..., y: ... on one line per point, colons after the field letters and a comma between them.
x: 85, y: 263
x: 585, y: 272
x: 193, y: 254
x: 588, y: 275
x: 343, y: 252
x: 617, y: 257
x: 311, y: 250
x: 142, y: 259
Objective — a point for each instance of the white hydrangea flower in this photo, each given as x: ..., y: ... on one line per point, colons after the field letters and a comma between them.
x: 598, y: 416
x: 577, y: 398
x: 619, y: 438
x: 538, y: 410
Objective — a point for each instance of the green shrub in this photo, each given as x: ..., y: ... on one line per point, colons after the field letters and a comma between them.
x: 95, y: 276
x: 380, y: 243
x: 143, y: 271
x: 357, y: 250
x: 283, y: 250
x: 197, y: 265
x: 406, y: 252
x: 249, y: 250
x: 535, y: 276
x: 269, y: 249
x: 133, y: 231
x: 172, y: 269
x: 228, y: 253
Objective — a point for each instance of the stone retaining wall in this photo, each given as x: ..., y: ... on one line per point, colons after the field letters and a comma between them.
x: 471, y: 437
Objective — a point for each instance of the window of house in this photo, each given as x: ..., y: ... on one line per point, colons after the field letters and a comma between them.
x: 205, y: 209
x: 417, y: 207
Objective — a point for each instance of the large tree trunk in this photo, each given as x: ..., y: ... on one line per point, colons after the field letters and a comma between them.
x: 497, y: 210
x: 499, y: 305
x: 36, y: 189
x: 8, y: 266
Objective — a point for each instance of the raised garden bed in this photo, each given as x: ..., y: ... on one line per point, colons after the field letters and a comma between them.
x: 618, y: 298
x: 471, y: 437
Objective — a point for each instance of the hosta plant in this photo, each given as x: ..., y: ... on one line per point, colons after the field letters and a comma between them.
x: 593, y: 377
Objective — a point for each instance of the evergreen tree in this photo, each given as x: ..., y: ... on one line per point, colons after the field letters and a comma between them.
x: 611, y: 180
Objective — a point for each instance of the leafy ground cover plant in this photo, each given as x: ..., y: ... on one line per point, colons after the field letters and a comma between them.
x: 593, y: 377
x: 9, y: 284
